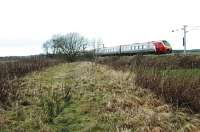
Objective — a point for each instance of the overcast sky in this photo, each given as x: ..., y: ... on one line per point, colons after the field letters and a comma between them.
x: 26, y: 24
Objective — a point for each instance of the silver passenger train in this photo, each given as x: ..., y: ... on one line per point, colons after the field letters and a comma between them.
x: 156, y: 47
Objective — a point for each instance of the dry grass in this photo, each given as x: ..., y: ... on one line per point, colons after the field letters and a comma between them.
x: 123, y: 106
x: 11, y: 71
x: 143, y: 110
x: 42, y: 96
x: 174, y: 77
x: 102, y: 99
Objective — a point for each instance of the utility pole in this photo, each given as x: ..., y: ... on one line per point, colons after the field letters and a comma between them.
x: 186, y: 29
x: 184, y: 38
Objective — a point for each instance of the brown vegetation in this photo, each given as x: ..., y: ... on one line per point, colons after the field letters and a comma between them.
x: 177, y: 78
x: 101, y: 99
x: 11, y: 71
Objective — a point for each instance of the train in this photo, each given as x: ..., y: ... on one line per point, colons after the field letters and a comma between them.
x: 152, y: 47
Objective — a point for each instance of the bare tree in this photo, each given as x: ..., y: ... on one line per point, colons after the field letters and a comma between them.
x: 71, y: 44
x: 47, y: 47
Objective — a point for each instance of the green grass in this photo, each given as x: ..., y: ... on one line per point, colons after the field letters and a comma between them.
x: 182, y: 72
x: 37, y: 89
x: 34, y: 88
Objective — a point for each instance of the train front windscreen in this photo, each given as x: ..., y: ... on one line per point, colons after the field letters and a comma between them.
x: 166, y: 43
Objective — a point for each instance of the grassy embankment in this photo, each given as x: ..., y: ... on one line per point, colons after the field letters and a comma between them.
x: 101, y: 99
x: 12, y: 70
x: 176, y: 78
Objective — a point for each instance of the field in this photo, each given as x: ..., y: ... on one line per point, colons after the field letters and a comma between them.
x: 12, y: 69
x: 113, y: 94
x: 174, y: 77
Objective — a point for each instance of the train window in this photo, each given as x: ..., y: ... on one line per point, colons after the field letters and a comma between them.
x: 134, y: 47
x: 138, y: 47
x: 166, y: 43
x: 142, y: 46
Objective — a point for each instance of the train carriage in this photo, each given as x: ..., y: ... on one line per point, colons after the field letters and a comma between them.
x: 156, y: 47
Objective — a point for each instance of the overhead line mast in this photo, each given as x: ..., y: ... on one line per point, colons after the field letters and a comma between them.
x: 185, y: 30
x: 184, y: 38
